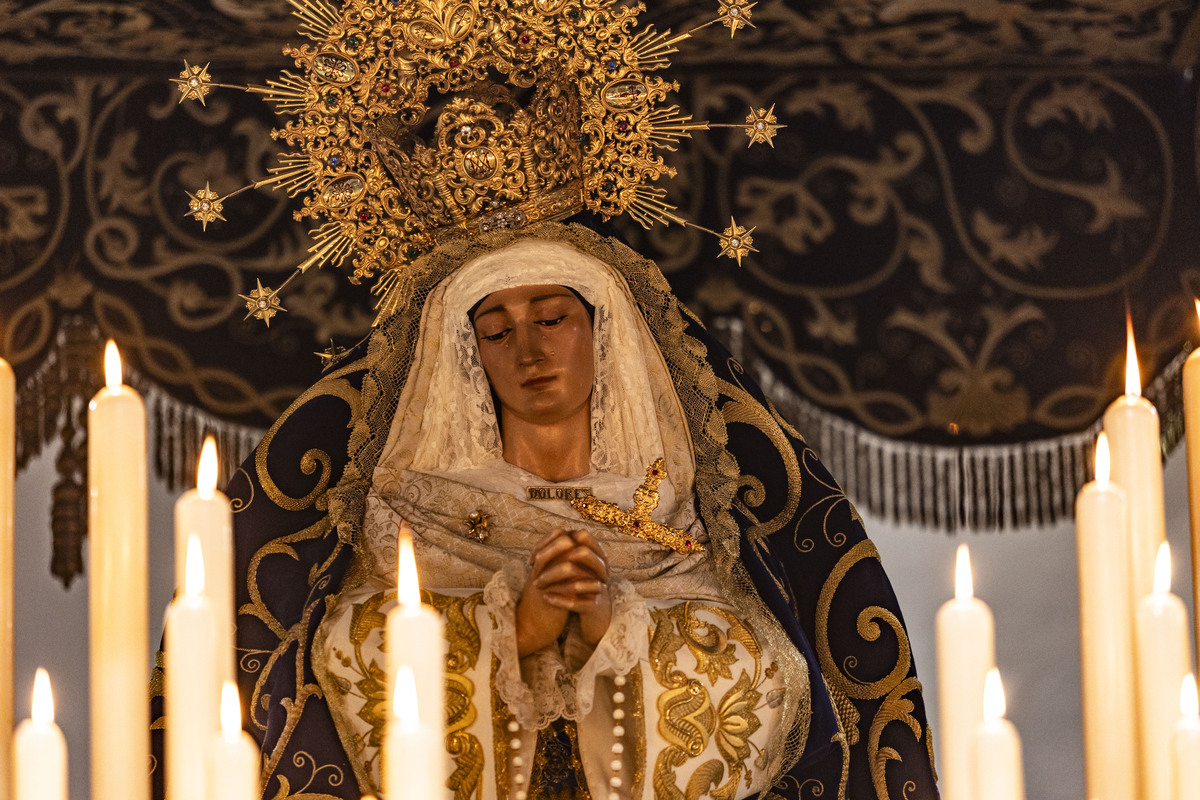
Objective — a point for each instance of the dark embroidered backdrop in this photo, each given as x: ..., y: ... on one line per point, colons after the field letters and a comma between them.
x: 948, y: 230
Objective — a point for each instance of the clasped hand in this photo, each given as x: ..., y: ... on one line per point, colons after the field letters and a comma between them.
x: 568, y: 574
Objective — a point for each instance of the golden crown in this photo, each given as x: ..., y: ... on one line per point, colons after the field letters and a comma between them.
x: 413, y: 121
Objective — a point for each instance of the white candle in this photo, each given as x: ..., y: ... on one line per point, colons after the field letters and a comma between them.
x: 118, y: 604
x: 39, y: 751
x: 415, y: 638
x: 1191, y: 427
x: 8, y: 471
x: 965, y: 652
x: 1162, y: 660
x: 1106, y: 635
x: 233, y: 758
x: 190, y: 701
x: 1185, y: 744
x: 997, y: 769
x: 205, y: 513
x: 412, y: 749
x: 1131, y: 423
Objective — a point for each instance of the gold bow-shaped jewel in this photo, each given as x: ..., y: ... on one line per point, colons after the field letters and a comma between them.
x: 636, y: 521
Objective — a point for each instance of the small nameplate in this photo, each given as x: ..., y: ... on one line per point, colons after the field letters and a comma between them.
x: 567, y: 493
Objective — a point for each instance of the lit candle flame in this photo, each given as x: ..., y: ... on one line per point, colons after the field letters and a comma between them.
x: 993, y: 696
x: 1162, y: 569
x: 1189, y: 704
x: 231, y: 712
x: 206, y: 473
x: 408, y: 590
x: 1103, y: 458
x: 404, y: 698
x: 1133, y: 380
x: 43, y: 698
x: 112, y: 366
x: 1197, y: 302
x: 963, y: 587
x: 193, y: 569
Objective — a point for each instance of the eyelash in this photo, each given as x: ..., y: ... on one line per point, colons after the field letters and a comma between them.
x: 548, y: 323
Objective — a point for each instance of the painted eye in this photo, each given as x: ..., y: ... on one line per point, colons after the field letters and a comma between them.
x: 551, y: 322
x: 495, y: 337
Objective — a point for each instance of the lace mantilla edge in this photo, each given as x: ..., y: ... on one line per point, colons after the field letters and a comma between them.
x: 541, y: 687
x: 389, y: 358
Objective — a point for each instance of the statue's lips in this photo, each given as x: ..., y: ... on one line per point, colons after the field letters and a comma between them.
x: 538, y: 383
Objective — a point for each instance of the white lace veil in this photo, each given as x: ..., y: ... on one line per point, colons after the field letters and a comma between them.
x: 445, y: 421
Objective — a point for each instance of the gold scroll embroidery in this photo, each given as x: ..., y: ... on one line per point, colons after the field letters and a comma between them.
x: 464, y: 747
x: 688, y: 719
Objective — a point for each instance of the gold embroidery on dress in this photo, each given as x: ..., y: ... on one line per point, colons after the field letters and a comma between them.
x: 371, y: 683
x: 688, y: 720
x: 501, y: 735
x: 636, y: 723
x: 462, y: 632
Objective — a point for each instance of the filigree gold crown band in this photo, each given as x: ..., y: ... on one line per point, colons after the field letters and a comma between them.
x: 413, y: 121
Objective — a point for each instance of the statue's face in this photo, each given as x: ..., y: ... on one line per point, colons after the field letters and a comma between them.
x: 536, y: 346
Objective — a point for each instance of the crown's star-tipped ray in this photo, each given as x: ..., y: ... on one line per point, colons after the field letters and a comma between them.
x: 205, y: 206
x: 194, y: 83
x: 317, y: 19
x: 737, y: 242
x: 760, y: 126
x: 735, y: 15
x: 263, y: 302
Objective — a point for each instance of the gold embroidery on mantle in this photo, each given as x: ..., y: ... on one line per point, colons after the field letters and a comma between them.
x: 892, y: 687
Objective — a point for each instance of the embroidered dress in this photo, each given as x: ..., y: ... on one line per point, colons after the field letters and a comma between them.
x: 704, y: 692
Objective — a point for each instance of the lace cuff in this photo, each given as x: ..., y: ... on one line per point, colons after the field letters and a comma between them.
x: 617, y: 653
x: 531, y: 686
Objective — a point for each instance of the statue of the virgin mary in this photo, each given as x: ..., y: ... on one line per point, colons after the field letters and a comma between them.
x: 650, y: 585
